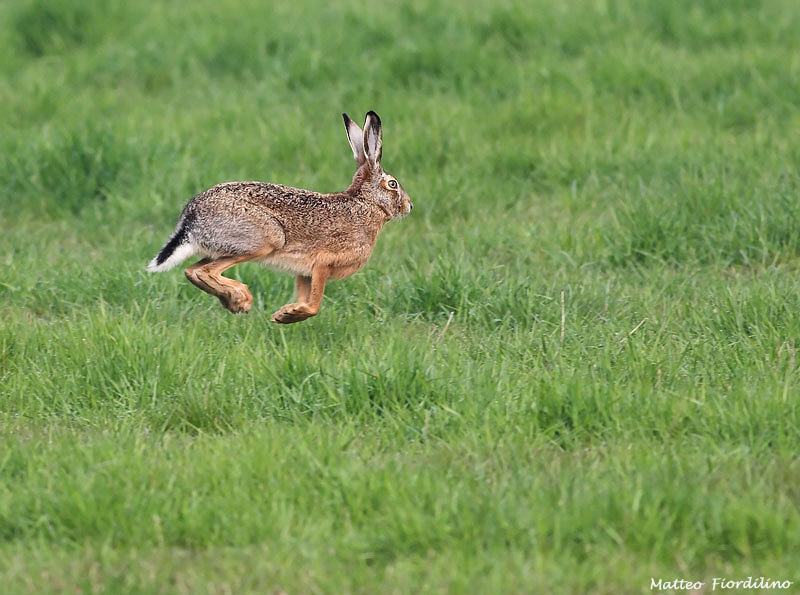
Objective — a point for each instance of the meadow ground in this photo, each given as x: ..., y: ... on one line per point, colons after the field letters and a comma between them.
x: 572, y: 369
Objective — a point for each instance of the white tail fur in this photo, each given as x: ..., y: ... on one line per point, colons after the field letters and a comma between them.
x: 178, y: 255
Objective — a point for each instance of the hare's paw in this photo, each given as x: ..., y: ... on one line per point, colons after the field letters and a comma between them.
x: 292, y: 313
x: 239, y: 300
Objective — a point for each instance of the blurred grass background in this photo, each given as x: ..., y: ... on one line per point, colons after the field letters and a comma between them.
x: 634, y: 161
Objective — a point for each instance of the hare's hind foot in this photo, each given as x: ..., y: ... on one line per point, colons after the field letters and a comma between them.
x: 239, y: 300
x: 207, y: 275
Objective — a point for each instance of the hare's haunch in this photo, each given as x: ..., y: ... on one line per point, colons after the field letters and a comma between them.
x: 311, y: 235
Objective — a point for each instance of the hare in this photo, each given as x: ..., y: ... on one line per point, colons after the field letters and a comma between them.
x: 311, y: 235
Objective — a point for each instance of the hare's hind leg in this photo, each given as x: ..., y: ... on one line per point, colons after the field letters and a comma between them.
x: 309, y: 296
x: 207, y: 275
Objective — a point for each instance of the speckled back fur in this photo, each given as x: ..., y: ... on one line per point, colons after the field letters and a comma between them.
x: 238, y: 217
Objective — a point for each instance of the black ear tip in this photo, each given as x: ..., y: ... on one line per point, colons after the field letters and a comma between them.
x: 374, y: 115
x: 345, y: 117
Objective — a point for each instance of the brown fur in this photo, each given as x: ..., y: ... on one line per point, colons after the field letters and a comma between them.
x: 315, y: 236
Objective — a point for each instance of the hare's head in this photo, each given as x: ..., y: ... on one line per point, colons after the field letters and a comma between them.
x: 370, y: 181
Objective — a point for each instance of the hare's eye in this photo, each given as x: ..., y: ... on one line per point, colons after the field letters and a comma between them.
x: 392, y: 184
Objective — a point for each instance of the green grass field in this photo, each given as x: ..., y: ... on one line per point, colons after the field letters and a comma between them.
x: 573, y: 368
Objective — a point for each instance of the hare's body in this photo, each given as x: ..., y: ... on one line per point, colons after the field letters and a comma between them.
x: 292, y: 228
x: 311, y: 235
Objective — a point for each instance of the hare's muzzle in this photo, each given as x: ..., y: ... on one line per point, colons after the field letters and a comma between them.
x: 406, y: 205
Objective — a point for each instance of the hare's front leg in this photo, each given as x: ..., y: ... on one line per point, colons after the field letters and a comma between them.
x: 207, y: 275
x: 302, y: 287
x: 309, y: 297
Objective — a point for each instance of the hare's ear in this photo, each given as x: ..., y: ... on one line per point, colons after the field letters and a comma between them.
x: 356, y: 138
x: 373, y: 139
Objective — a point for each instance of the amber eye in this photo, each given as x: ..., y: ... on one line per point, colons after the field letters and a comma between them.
x: 392, y: 184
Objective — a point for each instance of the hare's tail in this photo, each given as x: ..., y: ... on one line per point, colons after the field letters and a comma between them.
x: 177, y: 249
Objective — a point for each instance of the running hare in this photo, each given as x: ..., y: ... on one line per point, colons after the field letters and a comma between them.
x: 311, y: 235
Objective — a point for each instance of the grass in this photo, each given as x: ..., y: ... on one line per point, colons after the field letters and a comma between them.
x: 572, y: 369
